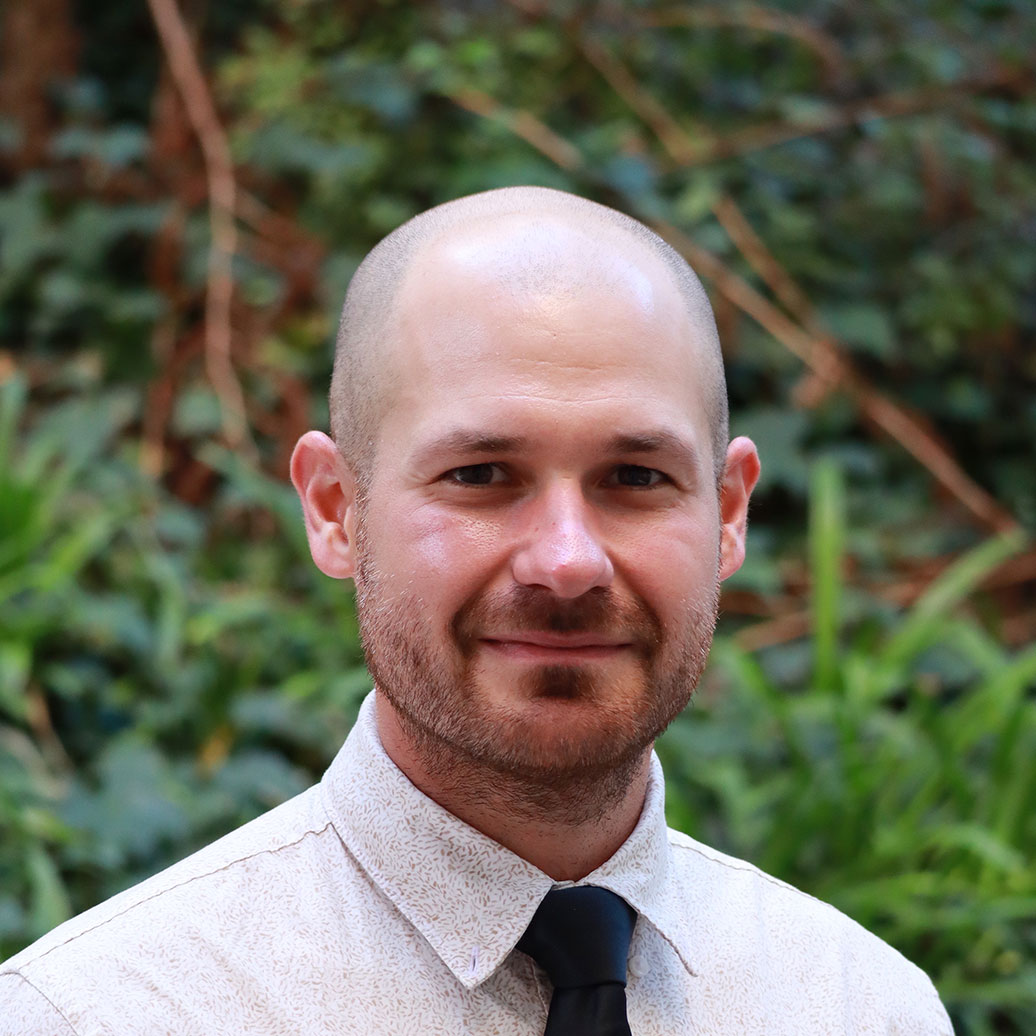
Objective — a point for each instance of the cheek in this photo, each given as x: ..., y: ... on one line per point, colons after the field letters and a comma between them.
x: 678, y: 566
x: 440, y: 554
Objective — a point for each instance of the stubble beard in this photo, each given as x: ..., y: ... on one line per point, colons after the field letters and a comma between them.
x: 498, y: 753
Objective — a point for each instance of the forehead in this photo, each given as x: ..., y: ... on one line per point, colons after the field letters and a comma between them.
x: 516, y: 322
x: 542, y: 254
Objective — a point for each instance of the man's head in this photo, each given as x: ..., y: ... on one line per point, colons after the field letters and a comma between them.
x: 361, y: 386
x: 534, y: 492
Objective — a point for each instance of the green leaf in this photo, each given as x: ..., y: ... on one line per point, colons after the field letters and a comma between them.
x: 48, y: 898
x: 921, y: 625
x: 865, y: 326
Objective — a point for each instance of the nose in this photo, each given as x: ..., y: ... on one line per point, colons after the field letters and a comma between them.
x: 562, y: 550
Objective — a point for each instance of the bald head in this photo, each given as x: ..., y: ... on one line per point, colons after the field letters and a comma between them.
x: 527, y: 241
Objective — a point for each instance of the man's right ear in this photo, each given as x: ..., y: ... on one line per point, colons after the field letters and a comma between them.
x: 327, y: 489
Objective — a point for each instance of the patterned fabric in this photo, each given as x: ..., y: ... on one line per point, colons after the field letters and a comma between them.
x: 362, y: 907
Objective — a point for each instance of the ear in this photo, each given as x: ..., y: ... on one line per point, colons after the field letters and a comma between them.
x: 739, y: 477
x: 327, y: 489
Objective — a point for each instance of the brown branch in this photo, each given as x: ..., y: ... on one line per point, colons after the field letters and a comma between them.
x: 678, y: 145
x: 39, y: 721
x: 685, y: 149
x: 254, y: 212
x: 812, y: 390
x: 219, y: 173
x: 758, y: 19
x: 810, y: 342
x: 159, y: 400
x: 38, y: 45
x: 763, y: 261
x: 681, y: 147
x: 8, y: 367
x: 280, y: 243
x: 883, y: 106
x: 786, y: 619
x: 523, y: 124
x: 820, y: 355
x: 770, y: 632
x: 166, y: 255
x: 1017, y: 629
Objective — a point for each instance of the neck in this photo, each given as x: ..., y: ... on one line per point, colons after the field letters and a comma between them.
x: 566, y: 828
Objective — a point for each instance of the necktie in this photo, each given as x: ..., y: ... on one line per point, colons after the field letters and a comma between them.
x: 581, y: 937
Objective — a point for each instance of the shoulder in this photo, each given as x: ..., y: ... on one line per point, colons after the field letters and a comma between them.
x: 241, y: 864
x: 755, y: 921
x: 27, y: 1011
x: 738, y: 889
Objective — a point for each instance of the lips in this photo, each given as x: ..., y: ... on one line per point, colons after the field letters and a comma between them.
x: 532, y: 625
x: 548, y: 639
x: 560, y: 647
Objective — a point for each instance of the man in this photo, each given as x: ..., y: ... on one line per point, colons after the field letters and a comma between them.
x: 531, y: 485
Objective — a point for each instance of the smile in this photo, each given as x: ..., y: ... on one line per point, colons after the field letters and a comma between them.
x: 555, y: 647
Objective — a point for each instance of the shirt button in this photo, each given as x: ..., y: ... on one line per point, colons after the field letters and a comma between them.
x: 637, y: 966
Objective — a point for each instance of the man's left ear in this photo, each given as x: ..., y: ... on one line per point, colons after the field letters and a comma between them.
x: 327, y: 489
x: 739, y: 478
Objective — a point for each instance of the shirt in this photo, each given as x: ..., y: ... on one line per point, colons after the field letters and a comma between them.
x: 363, y: 907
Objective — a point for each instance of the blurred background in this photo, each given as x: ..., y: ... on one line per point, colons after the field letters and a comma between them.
x: 185, y: 190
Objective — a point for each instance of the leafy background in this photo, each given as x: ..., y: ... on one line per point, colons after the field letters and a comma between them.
x: 184, y: 193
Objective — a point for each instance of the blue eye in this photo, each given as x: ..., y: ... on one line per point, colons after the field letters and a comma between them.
x: 474, y: 474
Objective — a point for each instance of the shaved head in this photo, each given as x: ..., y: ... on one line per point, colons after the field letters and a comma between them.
x: 528, y: 241
x: 533, y: 491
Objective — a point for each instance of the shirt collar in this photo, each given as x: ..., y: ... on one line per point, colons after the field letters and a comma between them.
x: 469, y: 897
x: 641, y: 872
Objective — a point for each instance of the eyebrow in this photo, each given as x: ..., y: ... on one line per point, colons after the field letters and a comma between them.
x: 465, y: 441
x: 655, y: 441
x: 462, y: 441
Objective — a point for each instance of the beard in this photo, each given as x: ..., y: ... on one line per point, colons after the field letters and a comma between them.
x: 561, y: 739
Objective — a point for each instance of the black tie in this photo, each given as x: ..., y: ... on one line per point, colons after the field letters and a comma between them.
x: 581, y: 937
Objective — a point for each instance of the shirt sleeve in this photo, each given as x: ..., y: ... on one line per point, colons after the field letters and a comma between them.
x: 25, y: 1011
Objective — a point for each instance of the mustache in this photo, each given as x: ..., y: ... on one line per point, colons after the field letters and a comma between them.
x: 529, y: 609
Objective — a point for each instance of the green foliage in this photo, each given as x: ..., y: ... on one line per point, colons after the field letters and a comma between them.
x: 163, y: 676
x: 890, y: 773
x: 170, y: 662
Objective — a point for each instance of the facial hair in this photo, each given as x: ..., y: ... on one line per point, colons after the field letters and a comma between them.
x: 432, y: 679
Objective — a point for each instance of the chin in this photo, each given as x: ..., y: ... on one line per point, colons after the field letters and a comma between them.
x: 565, y: 720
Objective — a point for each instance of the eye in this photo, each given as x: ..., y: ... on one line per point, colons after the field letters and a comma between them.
x: 634, y: 476
x: 475, y: 475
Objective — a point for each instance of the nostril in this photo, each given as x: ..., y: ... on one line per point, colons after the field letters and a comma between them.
x: 568, y: 570
x: 562, y: 550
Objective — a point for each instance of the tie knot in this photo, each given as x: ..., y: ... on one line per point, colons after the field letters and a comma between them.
x: 580, y: 936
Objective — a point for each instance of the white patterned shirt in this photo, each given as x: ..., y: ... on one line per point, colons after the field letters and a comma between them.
x: 362, y: 907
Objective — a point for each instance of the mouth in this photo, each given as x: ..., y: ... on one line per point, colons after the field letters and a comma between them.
x: 555, y: 648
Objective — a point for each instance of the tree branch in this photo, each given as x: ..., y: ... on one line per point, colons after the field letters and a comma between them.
x: 810, y: 342
x: 758, y: 19
x: 219, y: 172
x: 763, y: 261
x: 883, y: 106
x: 686, y: 148
x: 817, y: 351
x: 522, y: 124
x: 821, y: 356
x: 678, y: 143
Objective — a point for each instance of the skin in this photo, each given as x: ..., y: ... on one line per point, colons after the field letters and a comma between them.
x: 539, y: 548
